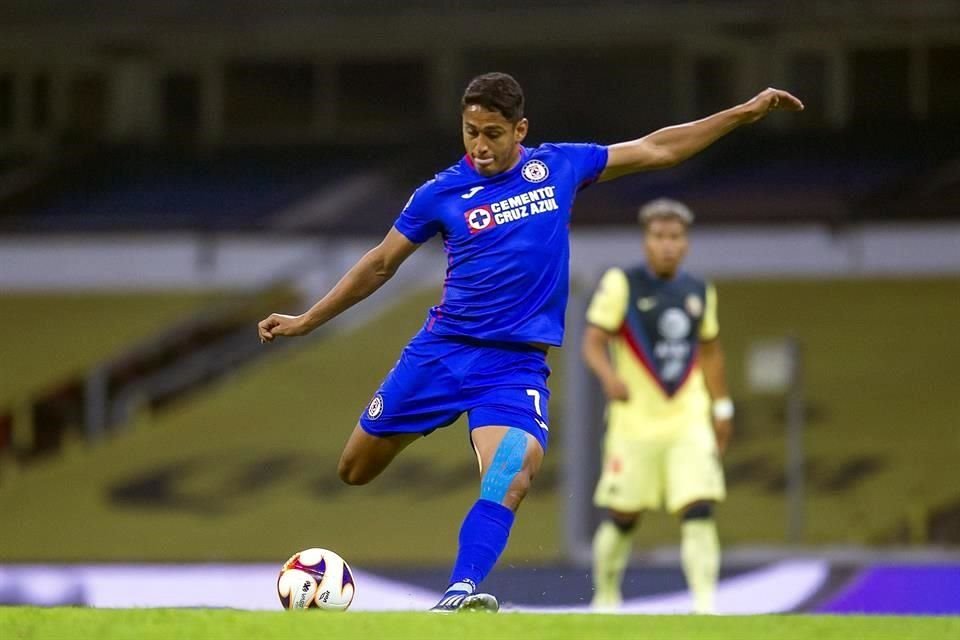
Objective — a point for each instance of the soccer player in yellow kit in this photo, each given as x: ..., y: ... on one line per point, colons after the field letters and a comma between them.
x: 652, y: 341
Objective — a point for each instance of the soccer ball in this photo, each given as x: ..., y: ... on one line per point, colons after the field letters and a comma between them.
x: 316, y: 579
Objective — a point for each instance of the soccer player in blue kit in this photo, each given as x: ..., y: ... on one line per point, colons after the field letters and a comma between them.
x: 503, y: 212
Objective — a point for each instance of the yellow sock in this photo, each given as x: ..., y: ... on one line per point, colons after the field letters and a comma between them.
x: 701, y: 562
x: 611, y: 552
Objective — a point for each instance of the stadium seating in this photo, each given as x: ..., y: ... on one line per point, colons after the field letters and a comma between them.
x: 799, y: 178
x: 758, y: 176
x: 139, y: 189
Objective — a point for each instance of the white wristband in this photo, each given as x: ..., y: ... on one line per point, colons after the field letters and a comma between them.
x: 722, y: 409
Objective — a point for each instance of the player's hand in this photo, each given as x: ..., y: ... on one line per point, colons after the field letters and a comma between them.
x: 723, y: 430
x: 771, y: 99
x: 278, y: 324
x: 615, y: 389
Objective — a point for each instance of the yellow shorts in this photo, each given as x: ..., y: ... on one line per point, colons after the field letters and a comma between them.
x: 646, y: 474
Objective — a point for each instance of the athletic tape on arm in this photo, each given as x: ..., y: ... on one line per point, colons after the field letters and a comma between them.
x: 506, y: 464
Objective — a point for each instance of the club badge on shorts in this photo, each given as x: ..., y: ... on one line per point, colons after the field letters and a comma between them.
x: 376, y: 407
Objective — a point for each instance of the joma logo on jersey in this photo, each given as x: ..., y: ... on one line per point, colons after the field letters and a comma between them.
x: 511, y: 209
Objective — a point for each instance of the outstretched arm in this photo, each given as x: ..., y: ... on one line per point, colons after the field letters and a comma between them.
x: 672, y: 145
x: 366, y: 276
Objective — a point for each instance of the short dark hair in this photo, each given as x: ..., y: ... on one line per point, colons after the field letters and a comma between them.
x: 495, y: 92
x: 664, y: 209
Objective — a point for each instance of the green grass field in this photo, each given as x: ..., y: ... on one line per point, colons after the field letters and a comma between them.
x: 23, y: 623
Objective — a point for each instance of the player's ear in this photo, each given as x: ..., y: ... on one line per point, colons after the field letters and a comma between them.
x: 520, y: 129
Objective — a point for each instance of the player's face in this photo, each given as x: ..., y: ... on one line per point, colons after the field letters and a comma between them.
x: 665, y: 244
x: 491, y: 140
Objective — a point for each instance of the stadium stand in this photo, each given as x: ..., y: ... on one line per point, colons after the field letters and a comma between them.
x: 183, y: 357
x: 137, y: 189
x: 799, y: 178
x: 861, y: 490
x: 358, y: 190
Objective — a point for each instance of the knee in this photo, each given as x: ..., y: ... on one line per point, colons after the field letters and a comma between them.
x: 698, y: 511
x: 505, y: 489
x: 518, y: 489
x: 625, y: 522
x: 352, y: 473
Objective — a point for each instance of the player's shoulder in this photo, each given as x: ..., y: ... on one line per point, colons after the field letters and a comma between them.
x: 440, y: 183
x: 692, y: 281
x: 445, y: 182
x: 616, y: 271
x: 549, y: 151
x: 561, y: 147
x: 420, y: 196
x: 564, y: 149
x: 546, y: 147
x: 637, y: 271
x: 614, y: 279
x: 456, y: 174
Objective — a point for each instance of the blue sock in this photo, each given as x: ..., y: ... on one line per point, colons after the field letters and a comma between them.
x: 483, y: 537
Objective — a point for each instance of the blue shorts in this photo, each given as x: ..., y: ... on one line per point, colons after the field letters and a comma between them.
x: 437, y: 378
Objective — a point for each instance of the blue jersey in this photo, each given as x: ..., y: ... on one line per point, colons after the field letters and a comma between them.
x: 507, y: 242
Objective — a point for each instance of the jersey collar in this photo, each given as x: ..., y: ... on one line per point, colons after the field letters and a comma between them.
x: 676, y: 274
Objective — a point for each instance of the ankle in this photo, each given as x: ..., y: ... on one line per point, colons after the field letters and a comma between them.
x: 466, y: 584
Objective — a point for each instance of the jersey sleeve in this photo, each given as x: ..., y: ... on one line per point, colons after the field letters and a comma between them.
x: 710, y: 327
x: 418, y: 220
x: 608, y: 307
x: 589, y: 160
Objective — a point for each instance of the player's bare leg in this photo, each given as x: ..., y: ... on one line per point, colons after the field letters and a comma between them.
x: 365, y: 456
x: 700, y: 550
x: 509, y: 459
x: 487, y: 441
x: 611, y: 553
